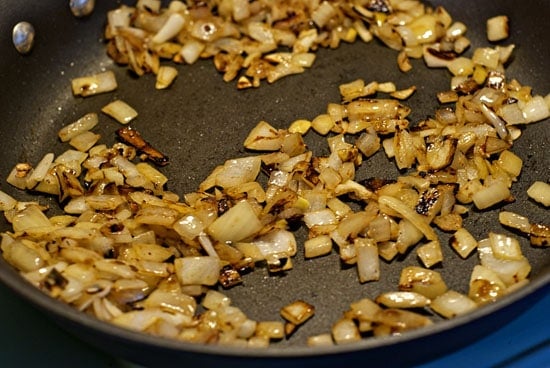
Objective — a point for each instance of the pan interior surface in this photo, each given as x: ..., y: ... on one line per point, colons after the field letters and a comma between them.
x: 202, y: 121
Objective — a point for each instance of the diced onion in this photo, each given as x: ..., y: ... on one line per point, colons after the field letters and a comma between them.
x: 120, y: 111
x: 94, y: 84
x: 540, y: 192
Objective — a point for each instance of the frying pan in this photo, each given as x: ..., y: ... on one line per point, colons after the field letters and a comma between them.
x: 202, y: 121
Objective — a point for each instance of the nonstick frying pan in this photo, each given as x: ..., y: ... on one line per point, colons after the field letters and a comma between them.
x: 202, y: 121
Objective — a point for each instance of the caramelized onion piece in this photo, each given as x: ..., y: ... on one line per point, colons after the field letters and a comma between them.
x: 133, y: 137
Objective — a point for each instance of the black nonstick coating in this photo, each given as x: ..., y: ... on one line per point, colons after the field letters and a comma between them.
x: 202, y: 121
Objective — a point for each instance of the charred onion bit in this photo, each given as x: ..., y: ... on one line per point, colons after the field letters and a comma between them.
x: 426, y: 201
x: 229, y: 276
x: 381, y: 6
x: 133, y: 137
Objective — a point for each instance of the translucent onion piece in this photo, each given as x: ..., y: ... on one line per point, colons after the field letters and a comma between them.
x: 85, y: 123
x: 491, y: 195
x: 509, y: 271
x: 94, y: 84
x: 463, y: 242
x: 197, y: 270
x: 7, y: 202
x: 402, y: 299
x: 344, y: 331
x: 173, y: 25
x: 408, y: 213
x: 505, y: 247
x: 165, y: 77
x: 120, y: 111
x: 452, y: 304
x: 497, y: 28
x: 423, y: 281
x: 540, y: 192
x: 297, y: 312
x: 238, y: 223
x: 368, y: 264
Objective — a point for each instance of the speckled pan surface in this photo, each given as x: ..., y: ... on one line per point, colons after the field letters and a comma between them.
x: 201, y: 121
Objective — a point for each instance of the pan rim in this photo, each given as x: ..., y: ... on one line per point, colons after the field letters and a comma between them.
x: 62, y: 314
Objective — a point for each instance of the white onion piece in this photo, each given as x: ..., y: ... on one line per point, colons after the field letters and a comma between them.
x: 402, y: 299
x: 215, y: 300
x: 85, y: 123
x: 452, y: 304
x: 344, y: 331
x: 40, y: 171
x: 142, y: 319
x: 7, y: 202
x: 318, y: 246
x: 322, y: 217
x: 320, y: 340
x: 408, y: 213
x: 297, y: 312
x: 197, y: 270
x: 423, y: 281
x: 368, y: 263
x: 238, y: 223
x: 30, y: 217
x: 171, y: 28
x: 21, y: 256
x: 192, y: 50
x: 463, y: 242
x: 189, y: 227
x: 277, y: 242
x: 511, y: 114
x: 238, y: 171
x: 497, y: 28
x: 120, y: 111
x: 430, y: 254
x: 491, y: 195
x: 166, y: 76
x: 94, y: 84
x: 509, y: 271
x: 119, y: 18
x: 495, y: 120
x: 535, y: 109
x: 540, y: 192
x: 207, y: 245
x: 263, y: 137
x: 84, y: 141
x: 505, y: 247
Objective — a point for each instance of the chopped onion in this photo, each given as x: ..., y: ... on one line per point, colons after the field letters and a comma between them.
x: 497, y: 28
x: 238, y: 223
x: 463, y: 242
x: 171, y: 28
x: 318, y: 246
x: 402, y: 299
x: 452, y: 304
x: 344, y: 331
x: 368, y: 265
x: 165, y: 77
x: 298, y: 312
x: 120, y: 111
x: 540, y: 192
x: 94, y: 84
x: 85, y: 123
x: 423, y: 281
x: 197, y: 270
x: 491, y: 195
x: 535, y: 109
